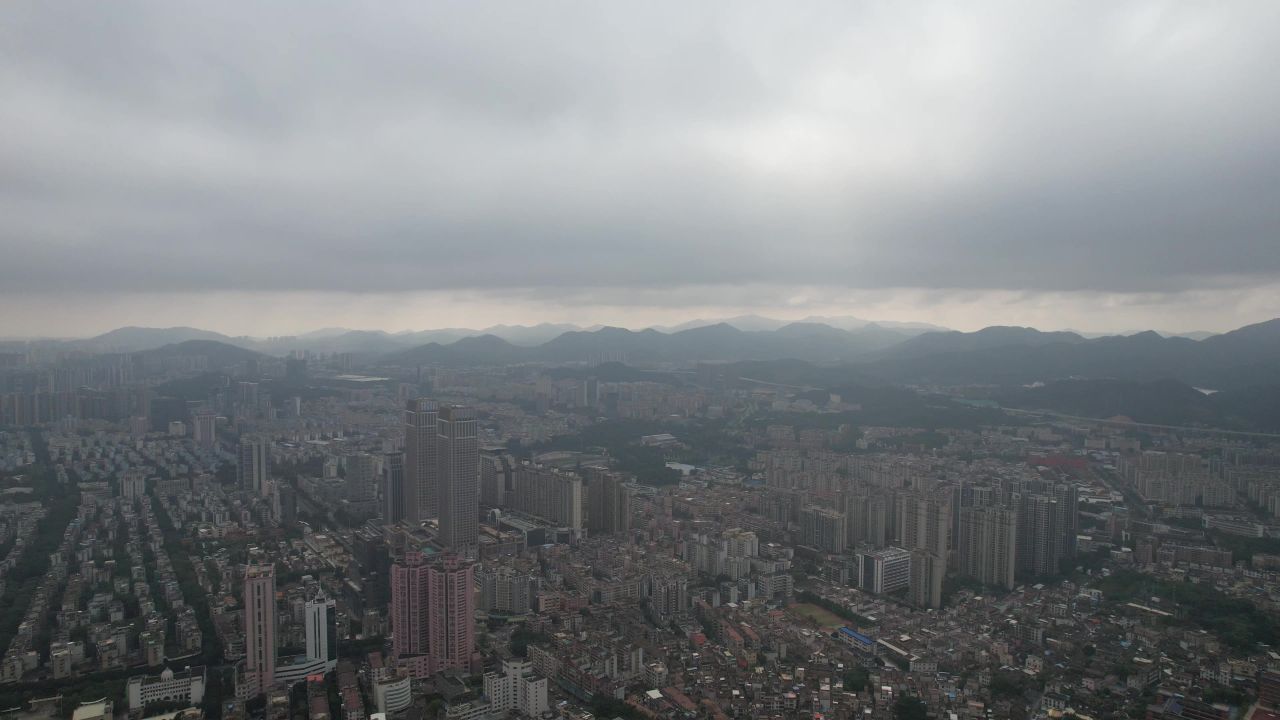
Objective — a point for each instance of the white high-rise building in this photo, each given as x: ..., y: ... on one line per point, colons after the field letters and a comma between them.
x: 321, y: 624
x: 885, y: 571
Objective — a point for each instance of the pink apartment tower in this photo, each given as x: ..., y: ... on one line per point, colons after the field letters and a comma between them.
x: 260, y: 626
x: 433, y: 613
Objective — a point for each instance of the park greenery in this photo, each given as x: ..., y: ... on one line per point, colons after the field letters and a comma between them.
x: 1236, y: 621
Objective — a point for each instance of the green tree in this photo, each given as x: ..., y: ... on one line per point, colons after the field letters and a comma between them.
x: 857, y: 679
x: 522, y: 638
x: 910, y: 707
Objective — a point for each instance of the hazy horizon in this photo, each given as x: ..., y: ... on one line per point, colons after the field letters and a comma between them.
x: 665, y: 326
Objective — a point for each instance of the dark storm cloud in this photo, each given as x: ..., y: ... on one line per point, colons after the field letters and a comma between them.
x: 315, y: 146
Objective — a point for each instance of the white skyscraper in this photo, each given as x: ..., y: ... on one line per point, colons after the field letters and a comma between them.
x: 322, y: 641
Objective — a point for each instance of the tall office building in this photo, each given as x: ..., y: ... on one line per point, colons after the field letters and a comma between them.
x: 927, y: 571
x: 421, y: 471
x: 393, y: 488
x: 458, y: 453
x: 988, y: 546
x: 254, y: 467
x: 204, y: 425
x: 260, y: 626
x: 451, y: 615
x: 608, y: 501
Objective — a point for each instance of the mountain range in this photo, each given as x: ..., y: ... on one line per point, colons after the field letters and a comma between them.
x: 1014, y: 356
x: 720, y: 343
x: 840, y: 322
x: 996, y: 356
x: 378, y: 342
x: 871, y: 353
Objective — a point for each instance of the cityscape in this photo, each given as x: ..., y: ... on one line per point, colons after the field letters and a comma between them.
x: 195, y: 524
x: 572, y: 360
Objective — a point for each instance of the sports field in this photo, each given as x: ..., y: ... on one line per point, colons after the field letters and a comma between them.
x: 813, y: 612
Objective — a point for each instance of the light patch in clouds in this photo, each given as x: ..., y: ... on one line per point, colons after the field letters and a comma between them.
x: 1120, y: 161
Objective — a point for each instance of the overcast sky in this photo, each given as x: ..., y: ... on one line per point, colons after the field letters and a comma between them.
x: 277, y: 167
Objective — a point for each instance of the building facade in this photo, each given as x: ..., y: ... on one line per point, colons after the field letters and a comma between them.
x: 260, y: 626
x: 421, y: 486
x: 458, y: 453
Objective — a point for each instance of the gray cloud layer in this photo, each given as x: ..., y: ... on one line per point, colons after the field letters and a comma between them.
x: 1117, y: 147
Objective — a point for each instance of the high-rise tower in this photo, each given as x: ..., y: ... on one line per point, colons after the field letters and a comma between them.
x: 393, y: 488
x: 361, y: 487
x: 451, y: 617
x: 254, y: 467
x: 421, y: 474
x: 925, y: 523
x: 458, y: 454
x: 433, y: 613
x: 988, y: 545
x: 927, y: 571
x: 322, y: 630
x: 608, y: 501
x: 409, y: 589
x: 260, y: 626
x: 204, y: 429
